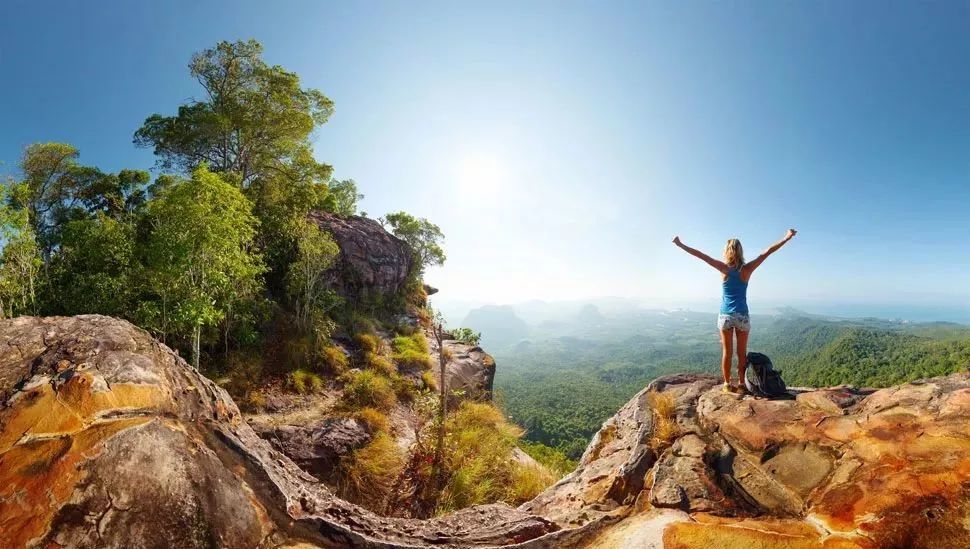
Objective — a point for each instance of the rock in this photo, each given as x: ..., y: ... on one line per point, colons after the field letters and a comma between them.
x: 372, y: 260
x: 109, y: 439
x: 318, y: 447
x: 840, y: 466
x: 470, y: 370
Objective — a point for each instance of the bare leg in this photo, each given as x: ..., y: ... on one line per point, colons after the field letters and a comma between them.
x: 727, y: 352
x: 742, y: 353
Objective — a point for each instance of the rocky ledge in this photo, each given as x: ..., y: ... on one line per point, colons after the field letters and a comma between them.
x: 109, y: 439
x: 838, y: 467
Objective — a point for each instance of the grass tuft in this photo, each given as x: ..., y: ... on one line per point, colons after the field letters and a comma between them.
x: 368, y: 389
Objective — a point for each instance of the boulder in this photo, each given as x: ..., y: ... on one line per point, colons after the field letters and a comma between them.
x: 471, y: 370
x: 372, y: 260
x: 836, y: 467
x: 109, y: 439
x: 318, y: 447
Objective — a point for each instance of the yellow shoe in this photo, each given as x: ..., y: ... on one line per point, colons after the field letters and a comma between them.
x: 726, y: 388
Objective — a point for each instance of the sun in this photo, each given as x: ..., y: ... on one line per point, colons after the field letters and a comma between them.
x: 479, y: 176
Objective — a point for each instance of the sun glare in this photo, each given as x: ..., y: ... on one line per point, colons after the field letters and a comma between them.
x: 479, y: 176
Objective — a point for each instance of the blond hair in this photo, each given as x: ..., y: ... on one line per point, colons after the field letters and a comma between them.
x: 734, y: 254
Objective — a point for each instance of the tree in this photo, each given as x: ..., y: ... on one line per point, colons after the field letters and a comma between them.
x: 20, y: 260
x: 342, y: 197
x: 306, y: 281
x: 422, y: 236
x: 255, y: 120
x: 444, y: 356
x: 56, y: 190
x: 253, y: 125
x: 200, y: 251
x: 94, y: 269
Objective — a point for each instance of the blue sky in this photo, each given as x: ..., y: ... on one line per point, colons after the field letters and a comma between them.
x: 561, y: 145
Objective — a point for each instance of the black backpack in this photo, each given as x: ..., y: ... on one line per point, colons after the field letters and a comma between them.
x: 762, y: 379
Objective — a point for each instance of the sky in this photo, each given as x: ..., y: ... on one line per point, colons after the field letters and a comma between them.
x: 561, y: 145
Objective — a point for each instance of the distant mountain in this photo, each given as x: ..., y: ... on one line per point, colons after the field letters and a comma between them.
x: 499, y: 324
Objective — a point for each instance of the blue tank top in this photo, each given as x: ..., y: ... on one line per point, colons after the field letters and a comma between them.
x: 735, y: 295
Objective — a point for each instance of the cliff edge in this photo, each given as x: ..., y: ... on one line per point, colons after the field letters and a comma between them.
x: 109, y: 439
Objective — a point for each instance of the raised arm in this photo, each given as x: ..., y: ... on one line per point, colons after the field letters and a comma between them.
x: 719, y: 265
x: 752, y: 265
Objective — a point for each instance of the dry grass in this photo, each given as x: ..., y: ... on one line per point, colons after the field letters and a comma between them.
x: 379, y: 364
x: 334, y: 359
x: 374, y: 419
x: 304, y: 382
x: 367, y: 475
x: 665, y: 428
x: 528, y: 481
x: 427, y: 378
x: 369, y: 343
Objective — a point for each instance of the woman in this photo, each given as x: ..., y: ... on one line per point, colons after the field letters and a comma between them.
x: 733, y: 321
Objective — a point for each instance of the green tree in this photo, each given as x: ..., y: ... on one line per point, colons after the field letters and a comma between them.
x: 57, y: 190
x: 253, y: 125
x: 200, y: 252
x: 20, y: 260
x: 343, y: 197
x: 306, y: 281
x: 94, y: 269
x: 422, y: 236
x: 255, y: 120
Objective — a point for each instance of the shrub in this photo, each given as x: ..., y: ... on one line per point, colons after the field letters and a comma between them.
x: 334, y: 359
x: 479, y: 460
x: 379, y: 364
x: 664, y: 420
x: 367, y: 475
x: 411, y: 351
x: 369, y: 343
x: 303, y: 382
x: 374, y: 419
x: 467, y: 335
x: 528, y: 481
x: 369, y: 389
x: 427, y: 378
x: 404, y: 388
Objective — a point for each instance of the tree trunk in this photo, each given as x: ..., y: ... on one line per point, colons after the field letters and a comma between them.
x: 196, y: 336
x: 442, y: 408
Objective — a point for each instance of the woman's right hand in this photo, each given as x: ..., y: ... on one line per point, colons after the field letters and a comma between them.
x: 677, y: 240
x: 791, y: 233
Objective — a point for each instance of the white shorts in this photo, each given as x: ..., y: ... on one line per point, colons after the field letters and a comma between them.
x: 734, y: 321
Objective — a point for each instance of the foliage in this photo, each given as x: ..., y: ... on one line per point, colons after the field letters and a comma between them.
x: 479, y: 462
x: 306, y: 280
x: 411, y: 352
x: 20, y: 260
x: 95, y: 269
x: 554, y: 460
x: 422, y: 236
x: 467, y: 335
x: 343, y: 197
x: 199, y: 254
x: 429, y: 382
x: 369, y: 389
